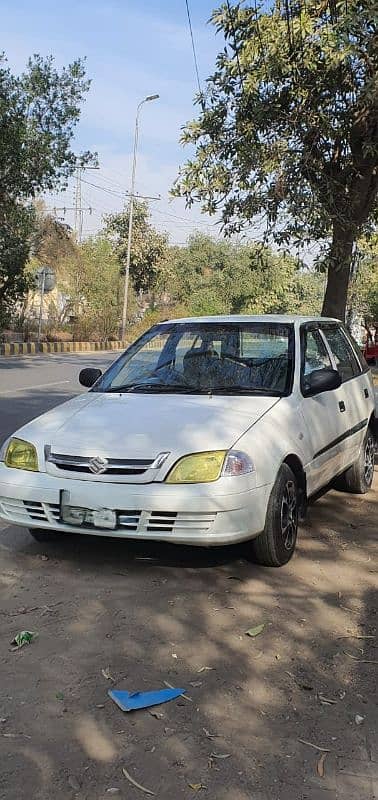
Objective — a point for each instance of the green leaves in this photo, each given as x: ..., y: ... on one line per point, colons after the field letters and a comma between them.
x: 38, y: 112
x: 148, y: 246
x: 211, y: 276
x: 300, y: 115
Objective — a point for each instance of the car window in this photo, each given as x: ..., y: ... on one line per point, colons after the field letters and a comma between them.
x: 357, y: 352
x: 315, y: 353
x: 346, y: 361
x: 259, y: 345
x: 145, y: 360
x: 197, y: 357
x: 187, y: 342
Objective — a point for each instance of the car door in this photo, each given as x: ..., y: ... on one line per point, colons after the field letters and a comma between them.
x: 356, y: 388
x: 324, y: 414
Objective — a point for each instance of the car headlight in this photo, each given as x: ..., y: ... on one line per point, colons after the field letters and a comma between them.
x: 21, y: 455
x: 198, y: 468
x: 207, y: 467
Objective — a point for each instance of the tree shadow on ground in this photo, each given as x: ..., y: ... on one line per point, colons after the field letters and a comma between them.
x: 147, y: 613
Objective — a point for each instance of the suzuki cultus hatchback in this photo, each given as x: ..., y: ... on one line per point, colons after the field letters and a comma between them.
x: 206, y: 431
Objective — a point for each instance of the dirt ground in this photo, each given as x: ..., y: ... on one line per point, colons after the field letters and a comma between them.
x: 133, y: 615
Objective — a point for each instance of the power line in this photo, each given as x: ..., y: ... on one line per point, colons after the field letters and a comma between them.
x: 186, y: 221
x: 109, y: 180
x: 194, y: 54
x: 120, y: 194
x: 105, y: 189
x: 147, y: 197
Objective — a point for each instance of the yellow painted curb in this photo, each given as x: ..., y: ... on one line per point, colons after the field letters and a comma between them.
x: 33, y: 348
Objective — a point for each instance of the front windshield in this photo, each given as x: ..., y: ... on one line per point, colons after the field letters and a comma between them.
x: 200, y: 357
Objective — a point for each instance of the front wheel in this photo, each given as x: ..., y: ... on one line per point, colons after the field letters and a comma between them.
x: 275, y: 546
x: 359, y: 476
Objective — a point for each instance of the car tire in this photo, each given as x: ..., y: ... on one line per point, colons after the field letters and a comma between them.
x: 275, y: 546
x: 43, y: 536
x: 359, y: 476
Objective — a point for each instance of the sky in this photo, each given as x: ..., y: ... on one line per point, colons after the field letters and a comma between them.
x: 132, y: 49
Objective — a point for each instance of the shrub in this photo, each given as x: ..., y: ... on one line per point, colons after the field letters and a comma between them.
x: 59, y: 336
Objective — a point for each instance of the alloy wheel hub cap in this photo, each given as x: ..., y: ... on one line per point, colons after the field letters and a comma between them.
x: 289, y: 515
x: 369, y: 461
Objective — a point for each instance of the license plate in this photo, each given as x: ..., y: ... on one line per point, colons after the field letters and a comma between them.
x: 99, y: 518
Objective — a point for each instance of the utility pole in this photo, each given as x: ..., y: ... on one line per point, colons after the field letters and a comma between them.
x: 131, y: 209
x: 78, y: 219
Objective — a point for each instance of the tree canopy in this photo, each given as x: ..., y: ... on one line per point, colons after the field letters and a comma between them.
x: 209, y: 276
x: 38, y: 113
x: 147, y: 245
x: 287, y: 132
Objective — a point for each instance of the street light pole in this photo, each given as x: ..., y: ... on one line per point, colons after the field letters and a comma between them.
x: 131, y: 210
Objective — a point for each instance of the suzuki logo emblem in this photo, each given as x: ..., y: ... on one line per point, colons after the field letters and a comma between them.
x: 98, y: 465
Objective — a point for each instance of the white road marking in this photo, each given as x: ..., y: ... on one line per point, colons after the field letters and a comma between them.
x: 38, y: 386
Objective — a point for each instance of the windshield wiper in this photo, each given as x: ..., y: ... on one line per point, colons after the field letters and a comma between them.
x: 158, y: 387
x: 235, y: 389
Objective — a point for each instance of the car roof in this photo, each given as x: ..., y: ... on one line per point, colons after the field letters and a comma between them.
x: 279, y: 318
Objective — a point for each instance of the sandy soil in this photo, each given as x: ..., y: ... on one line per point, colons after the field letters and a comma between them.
x: 133, y: 615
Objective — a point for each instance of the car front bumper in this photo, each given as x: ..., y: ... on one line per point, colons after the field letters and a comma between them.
x: 184, y: 514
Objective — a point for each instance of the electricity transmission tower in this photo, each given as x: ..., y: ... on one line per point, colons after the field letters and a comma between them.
x: 78, y: 208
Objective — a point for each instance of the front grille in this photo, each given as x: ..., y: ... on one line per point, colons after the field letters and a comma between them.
x: 131, y: 520
x: 169, y: 521
x: 30, y: 510
x: 161, y: 521
x: 115, y: 466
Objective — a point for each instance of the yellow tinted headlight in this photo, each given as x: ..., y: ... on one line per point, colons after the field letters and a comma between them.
x: 21, y: 455
x: 198, y: 468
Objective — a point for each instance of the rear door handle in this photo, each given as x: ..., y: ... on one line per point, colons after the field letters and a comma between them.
x: 366, y: 393
x: 342, y: 405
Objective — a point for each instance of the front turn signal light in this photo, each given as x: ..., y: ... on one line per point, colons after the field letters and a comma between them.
x: 21, y: 455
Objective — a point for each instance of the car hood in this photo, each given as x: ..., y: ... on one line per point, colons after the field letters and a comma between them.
x: 144, y: 425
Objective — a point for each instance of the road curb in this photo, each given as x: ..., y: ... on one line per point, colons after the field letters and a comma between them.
x: 33, y: 348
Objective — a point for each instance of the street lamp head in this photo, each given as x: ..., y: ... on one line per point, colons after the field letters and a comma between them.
x: 152, y: 97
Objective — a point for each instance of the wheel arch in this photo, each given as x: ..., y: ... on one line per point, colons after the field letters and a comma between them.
x: 296, y: 466
x: 373, y: 424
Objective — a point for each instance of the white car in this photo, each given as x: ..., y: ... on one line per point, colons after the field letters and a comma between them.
x: 206, y: 431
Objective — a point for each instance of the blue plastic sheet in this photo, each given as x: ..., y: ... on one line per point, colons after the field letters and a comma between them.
x: 130, y: 701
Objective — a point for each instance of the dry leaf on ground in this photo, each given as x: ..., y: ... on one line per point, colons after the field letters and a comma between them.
x: 256, y: 630
x: 320, y: 765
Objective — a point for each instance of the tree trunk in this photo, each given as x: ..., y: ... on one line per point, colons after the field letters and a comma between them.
x: 339, y: 268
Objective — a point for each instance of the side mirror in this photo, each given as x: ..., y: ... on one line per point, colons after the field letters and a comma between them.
x: 89, y: 376
x: 321, y: 380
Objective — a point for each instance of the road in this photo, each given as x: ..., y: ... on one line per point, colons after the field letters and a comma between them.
x: 31, y: 385
x: 133, y: 615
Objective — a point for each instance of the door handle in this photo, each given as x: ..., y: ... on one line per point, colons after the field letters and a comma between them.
x: 366, y: 393
x: 342, y: 405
